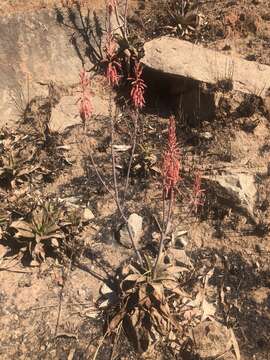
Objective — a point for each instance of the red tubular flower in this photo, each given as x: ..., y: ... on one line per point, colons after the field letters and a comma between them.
x: 138, y: 87
x: 171, y: 162
x: 198, y: 192
x: 113, y: 67
x: 86, y: 108
x: 111, y: 5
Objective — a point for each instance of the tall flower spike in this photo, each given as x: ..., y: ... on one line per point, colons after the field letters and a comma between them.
x: 111, y: 5
x: 171, y: 162
x: 198, y: 193
x: 86, y: 108
x: 113, y: 67
x: 137, y: 87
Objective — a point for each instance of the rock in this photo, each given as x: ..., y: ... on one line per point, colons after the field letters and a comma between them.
x: 181, y: 58
x: 261, y: 296
x: 42, y: 46
x: 34, y: 48
x: 3, y: 251
x: 66, y: 113
x: 267, y: 103
x: 236, y: 189
x: 135, y: 224
x: 72, y: 200
x: 211, y: 339
x: 180, y: 238
x: 180, y: 257
x: 88, y: 215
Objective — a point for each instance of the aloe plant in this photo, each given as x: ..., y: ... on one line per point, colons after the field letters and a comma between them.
x: 40, y: 232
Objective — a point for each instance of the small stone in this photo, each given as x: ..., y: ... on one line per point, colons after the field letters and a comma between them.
x: 261, y: 295
x: 206, y: 135
x: 180, y: 257
x: 88, y: 215
x: 105, y: 290
x: 3, y: 251
x: 211, y: 339
x: 135, y: 225
x: 25, y: 281
x: 237, y: 190
x: 267, y: 103
x: 72, y: 200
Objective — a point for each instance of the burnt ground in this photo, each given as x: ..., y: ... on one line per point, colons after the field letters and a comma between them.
x: 49, y: 312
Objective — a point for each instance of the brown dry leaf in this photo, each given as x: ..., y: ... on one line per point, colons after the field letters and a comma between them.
x: 21, y: 225
x: 53, y: 235
x: 208, y: 310
x: 165, y: 310
x: 173, y: 286
x: 134, y: 278
x: 24, y: 234
x: 26, y: 171
x: 156, y: 169
x: 161, y: 324
x: 128, y: 285
x: 129, y: 269
x: 235, y: 345
x: 115, y: 321
x: 55, y: 242
x: 143, y: 296
x: 176, y: 269
x: 3, y: 251
x: 158, y: 292
x: 139, y: 336
x: 39, y: 251
x: 135, y: 318
x: 105, y: 289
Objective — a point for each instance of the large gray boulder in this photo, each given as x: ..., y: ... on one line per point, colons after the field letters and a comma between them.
x: 34, y: 48
x: 177, y: 57
x: 49, y: 45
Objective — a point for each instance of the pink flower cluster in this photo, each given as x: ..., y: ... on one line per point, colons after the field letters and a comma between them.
x: 171, y: 162
x: 113, y: 67
x: 111, y: 4
x: 86, y: 108
x: 198, y: 193
x: 138, y: 87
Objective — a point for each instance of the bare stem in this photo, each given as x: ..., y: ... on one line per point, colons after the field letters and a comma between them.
x: 99, y: 175
x: 116, y: 192
x: 165, y: 230
x: 163, y: 211
x: 132, y: 151
x: 125, y: 18
x: 123, y: 26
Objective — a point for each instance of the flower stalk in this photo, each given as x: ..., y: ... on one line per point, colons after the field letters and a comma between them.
x: 171, y: 178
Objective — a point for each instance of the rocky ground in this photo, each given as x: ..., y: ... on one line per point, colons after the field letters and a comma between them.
x: 50, y: 311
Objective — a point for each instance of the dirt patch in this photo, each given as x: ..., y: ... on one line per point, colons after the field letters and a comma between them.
x: 51, y: 311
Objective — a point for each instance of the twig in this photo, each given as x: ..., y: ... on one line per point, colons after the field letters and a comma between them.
x: 116, y: 193
x: 16, y: 271
x: 164, y: 232
x: 99, y: 346
x: 86, y: 269
x: 122, y: 26
x: 125, y: 18
x: 99, y: 175
x: 61, y: 297
x: 59, y: 309
x: 132, y: 151
x: 118, y: 331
